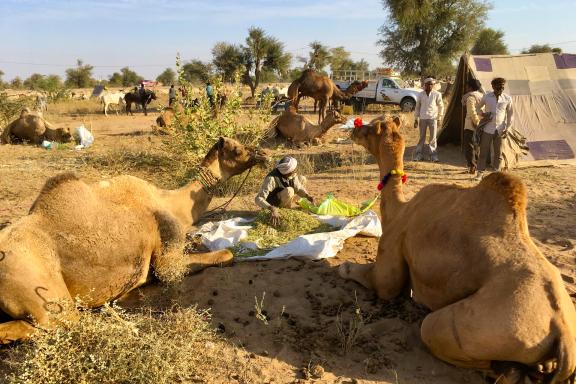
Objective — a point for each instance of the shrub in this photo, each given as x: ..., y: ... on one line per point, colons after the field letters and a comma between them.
x: 115, y: 347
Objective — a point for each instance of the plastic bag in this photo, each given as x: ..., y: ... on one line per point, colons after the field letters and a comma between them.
x: 83, y: 137
x: 335, y: 207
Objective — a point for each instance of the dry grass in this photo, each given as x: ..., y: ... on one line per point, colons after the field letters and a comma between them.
x: 115, y: 347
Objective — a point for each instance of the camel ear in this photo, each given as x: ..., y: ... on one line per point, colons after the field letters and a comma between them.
x: 397, y: 121
x: 221, y: 143
x: 378, y: 128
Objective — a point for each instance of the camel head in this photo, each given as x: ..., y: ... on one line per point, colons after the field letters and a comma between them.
x: 332, y: 118
x: 61, y: 135
x: 234, y: 158
x: 381, y: 138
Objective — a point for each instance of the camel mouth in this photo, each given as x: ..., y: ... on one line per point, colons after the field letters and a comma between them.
x: 260, y: 156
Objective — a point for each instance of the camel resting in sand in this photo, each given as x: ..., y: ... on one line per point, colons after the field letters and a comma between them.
x: 99, y: 241
x: 321, y: 88
x: 31, y: 127
x: 298, y: 129
x: 497, y: 304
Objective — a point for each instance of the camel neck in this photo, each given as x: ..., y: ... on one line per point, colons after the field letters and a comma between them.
x: 190, y: 202
x: 392, y: 195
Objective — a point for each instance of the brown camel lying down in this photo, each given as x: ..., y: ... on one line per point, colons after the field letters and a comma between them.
x: 497, y: 304
x: 99, y: 241
x: 298, y: 129
x: 32, y: 128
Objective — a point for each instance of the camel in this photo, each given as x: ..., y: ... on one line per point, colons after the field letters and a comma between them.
x: 31, y: 127
x: 321, y: 88
x: 298, y: 129
x: 497, y: 304
x: 96, y: 242
x: 139, y: 99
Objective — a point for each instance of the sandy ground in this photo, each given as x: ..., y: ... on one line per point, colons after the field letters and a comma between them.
x: 304, y: 302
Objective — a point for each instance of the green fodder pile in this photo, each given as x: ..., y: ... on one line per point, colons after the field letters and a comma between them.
x: 114, y: 347
x: 293, y: 223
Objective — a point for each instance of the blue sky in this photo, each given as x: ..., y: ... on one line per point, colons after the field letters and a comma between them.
x: 47, y: 36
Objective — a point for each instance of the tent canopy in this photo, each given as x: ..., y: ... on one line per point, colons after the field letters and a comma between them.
x: 543, y: 90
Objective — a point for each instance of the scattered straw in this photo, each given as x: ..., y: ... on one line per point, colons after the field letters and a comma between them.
x: 293, y: 223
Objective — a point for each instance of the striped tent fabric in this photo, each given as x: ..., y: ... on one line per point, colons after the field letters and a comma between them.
x: 543, y: 90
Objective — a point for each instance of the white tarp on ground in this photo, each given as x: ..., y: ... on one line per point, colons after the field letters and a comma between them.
x: 227, y: 233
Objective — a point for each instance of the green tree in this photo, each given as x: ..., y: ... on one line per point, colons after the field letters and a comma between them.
x: 545, y: 48
x: 16, y: 83
x: 422, y: 36
x: 227, y: 60
x: 34, y: 82
x: 318, y: 57
x: 490, y: 42
x: 2, y: 85
x: 115, y: 80
x: 263, y: 52
x: 79, y: 77
x: 167, y: 77
x: 339, y: 59
x: 197, y: 71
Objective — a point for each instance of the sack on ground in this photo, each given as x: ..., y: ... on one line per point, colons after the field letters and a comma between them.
x: 83, y: 136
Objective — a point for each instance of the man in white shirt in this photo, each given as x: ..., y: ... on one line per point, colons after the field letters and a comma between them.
x: 428, y: 113
x: 498, y: 107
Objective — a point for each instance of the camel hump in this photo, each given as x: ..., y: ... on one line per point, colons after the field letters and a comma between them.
x: 50, y: 185
x: 510, y: 186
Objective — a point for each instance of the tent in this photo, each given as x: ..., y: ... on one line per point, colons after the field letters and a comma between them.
x: 543, y: 90
x: 97, y: 91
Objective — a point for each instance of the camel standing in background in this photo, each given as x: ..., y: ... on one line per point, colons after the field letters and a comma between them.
x: 497, y: 304
x: 320, y: 88
x: 99, y: 241
x: 298, y: 129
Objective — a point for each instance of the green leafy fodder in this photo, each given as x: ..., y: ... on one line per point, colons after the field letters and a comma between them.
x: 293, y: 223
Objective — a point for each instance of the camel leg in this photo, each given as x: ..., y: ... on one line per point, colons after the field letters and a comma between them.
x: 479, y: 333
x: 361, y: 273
x: 388, y: 276
x: 15, y: 330
x: 200, y: 261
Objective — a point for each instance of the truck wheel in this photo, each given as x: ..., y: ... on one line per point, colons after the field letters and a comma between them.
x: 407, y: 105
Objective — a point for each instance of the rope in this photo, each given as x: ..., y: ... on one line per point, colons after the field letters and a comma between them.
x: 222, y: 208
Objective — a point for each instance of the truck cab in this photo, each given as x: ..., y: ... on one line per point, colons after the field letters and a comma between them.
x: 383, y: 90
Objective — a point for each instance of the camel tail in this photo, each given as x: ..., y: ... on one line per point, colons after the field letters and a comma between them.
x: 566, y: 355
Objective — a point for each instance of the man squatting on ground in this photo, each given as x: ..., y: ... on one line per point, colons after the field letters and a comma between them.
x: 280, y: 187
x: 427, y: 115
x: 498, y: 106
x: 470, y: 102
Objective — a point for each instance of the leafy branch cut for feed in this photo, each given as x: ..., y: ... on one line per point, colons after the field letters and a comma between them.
x: 293, y: 223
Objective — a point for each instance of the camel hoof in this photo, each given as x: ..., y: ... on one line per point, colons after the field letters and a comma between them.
x: 344, y: 270
x: 226, y: 258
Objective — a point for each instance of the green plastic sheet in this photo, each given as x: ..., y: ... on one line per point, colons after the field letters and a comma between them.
x: 334, y: 207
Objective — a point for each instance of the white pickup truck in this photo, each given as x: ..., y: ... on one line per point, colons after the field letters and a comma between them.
x: 384, y: 90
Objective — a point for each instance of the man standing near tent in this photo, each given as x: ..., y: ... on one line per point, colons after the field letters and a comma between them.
x: 280, y: 187
x: 470, y: 102
x: 171, y: 95
x: 498, y: 106
x: 428, y: 114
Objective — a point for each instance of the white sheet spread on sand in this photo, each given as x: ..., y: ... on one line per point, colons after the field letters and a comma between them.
x: 227, y: 233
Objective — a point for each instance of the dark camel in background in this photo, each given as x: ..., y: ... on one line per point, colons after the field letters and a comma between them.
x: 320, y: 88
